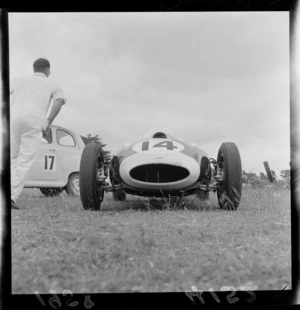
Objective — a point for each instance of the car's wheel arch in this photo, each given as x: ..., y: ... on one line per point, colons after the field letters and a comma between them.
x: 73, y: 173
x: 70, y: 165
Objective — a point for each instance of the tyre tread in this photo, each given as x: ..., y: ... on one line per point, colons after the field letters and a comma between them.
x: 87, y: 176
x: 230, y: 199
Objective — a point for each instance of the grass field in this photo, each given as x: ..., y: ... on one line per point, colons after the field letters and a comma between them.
x: 135, y: 246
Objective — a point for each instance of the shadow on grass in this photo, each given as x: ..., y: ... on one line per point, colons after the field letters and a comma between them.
x: 160, y: 204
x: 131, y: 204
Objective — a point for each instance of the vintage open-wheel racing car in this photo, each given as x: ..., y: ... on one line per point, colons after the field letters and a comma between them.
x: 160, y: 166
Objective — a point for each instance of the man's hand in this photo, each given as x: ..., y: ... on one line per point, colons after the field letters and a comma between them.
x: 46, y: 130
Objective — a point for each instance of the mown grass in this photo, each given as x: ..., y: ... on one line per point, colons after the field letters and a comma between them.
x: 141, y: 246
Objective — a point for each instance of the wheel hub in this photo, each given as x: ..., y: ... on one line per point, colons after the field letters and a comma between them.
x: 75, y: 186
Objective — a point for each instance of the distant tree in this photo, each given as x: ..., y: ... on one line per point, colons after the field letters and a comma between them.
x: 274, y: 175
x: 256, y: 182
x: 84, y: 139
x: 285, y: 173
x: 89, y: 138
x: 96, y: 139
x: 252, y: 175
x: 286, y: 176
x: 262, y: 176
x: 248, y: 177
x: 244, y: 177
x: 253, y: 178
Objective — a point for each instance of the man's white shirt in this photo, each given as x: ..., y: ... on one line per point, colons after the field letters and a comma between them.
x: 35, y: 89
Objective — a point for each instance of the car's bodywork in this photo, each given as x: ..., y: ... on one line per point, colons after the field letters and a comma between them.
x: 57, y: 163
x: 160, y: 166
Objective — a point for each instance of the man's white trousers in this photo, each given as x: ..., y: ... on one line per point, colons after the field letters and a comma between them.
x: 27, y: 123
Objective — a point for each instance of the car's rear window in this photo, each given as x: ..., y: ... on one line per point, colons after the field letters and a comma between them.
x: 64, y: 138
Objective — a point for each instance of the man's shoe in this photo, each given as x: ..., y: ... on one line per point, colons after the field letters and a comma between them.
x: 13, y: 205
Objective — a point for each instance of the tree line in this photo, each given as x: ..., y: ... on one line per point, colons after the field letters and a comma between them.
x: 96, y: 139
x: 253, y: 178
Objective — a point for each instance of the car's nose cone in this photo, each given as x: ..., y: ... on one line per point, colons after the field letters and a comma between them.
x: 159, y: 171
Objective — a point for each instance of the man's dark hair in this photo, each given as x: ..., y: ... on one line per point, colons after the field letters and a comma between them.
x: 40, y: 65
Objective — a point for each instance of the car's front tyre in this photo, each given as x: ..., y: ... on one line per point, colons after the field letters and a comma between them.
x: 230, y: 169
x: 91, y: 185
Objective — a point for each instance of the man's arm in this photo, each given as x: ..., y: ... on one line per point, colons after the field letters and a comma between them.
x: 56, y: 106
x: 58, y: 97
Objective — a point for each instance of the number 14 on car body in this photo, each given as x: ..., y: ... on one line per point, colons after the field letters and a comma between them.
x: 154, y: 146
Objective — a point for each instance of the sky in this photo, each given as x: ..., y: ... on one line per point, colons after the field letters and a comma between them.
x: 205, y: 77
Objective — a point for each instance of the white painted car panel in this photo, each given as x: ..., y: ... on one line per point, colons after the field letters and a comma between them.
x: 57, y: 158
x: 159, y: 155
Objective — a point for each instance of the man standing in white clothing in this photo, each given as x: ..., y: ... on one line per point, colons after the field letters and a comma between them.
x: 32, y: 96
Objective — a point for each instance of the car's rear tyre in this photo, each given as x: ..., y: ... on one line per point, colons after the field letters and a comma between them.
x: 50, y: 192
x: 230, y: 168
x: 91, y: 187
x: 73, y: 188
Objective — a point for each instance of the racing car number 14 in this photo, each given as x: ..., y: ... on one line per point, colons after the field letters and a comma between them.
x: 154, y: 146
